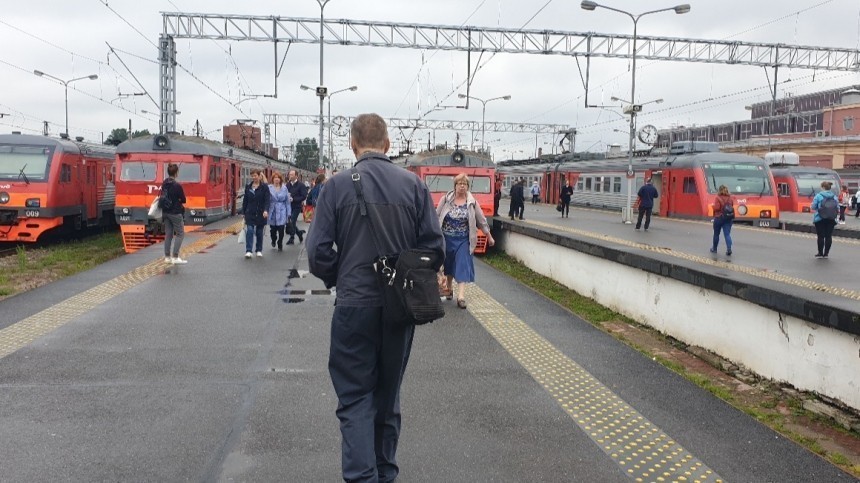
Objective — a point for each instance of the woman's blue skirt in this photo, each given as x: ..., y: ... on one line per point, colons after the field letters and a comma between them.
x: 458, y: 260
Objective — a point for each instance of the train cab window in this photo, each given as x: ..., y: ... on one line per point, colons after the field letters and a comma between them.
x: 137, y: 171
x: 65, y: 173
x: 616, y: 184
x: 19, y: 161
x: 481, y: 184
x: 188, y: 173
x: 783, y: 189
x: 690, y: 185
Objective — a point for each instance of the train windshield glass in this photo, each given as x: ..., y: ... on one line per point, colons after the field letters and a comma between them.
x: 809, y: 184
x: 137, y: 171
x: 26, y: 163
x: 188, y: 173
x: 739, y: 178
x: 442, y: 183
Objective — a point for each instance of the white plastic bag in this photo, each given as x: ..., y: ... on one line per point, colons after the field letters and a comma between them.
x: 242, y: 235
x: 154, y: 209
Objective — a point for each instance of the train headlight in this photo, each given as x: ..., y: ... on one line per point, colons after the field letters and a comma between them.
x: 125, y: 211
x: 742, y: 210
x: 32, y: 203
x: 4, y: 198
x: 192, y: 212
x: 458, y: 157
x: 765, y: 214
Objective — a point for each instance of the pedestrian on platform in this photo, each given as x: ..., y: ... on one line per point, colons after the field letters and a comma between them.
x: 857, y: 200
x: 646, y: 194
x: 173, y: 216
x: 460, y: 216
x: 255, y: 208
x: 313, y: 194
x: 497, y: 197
x: 724, y: 217
x: 844, y: 200
x: 518, y: 200
x: 824, y: 218
x: 367, y: 358
x: 535, y: 192
x: 279, y: 210
x: 564, y: 198
x: 298, y: 193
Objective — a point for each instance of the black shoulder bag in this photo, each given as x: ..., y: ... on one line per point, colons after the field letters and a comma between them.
x: 410, y: 291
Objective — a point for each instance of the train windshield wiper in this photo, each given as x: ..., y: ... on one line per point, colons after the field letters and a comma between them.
x: 24, y: 175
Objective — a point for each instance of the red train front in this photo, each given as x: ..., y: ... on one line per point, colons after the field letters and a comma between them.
x: 438, y: 168
x: 53, y: 184
x: 797, y: 185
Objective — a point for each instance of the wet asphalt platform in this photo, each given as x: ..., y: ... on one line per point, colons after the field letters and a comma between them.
x: 216, y: 371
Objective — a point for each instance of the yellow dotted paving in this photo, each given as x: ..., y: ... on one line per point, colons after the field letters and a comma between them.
x: 642, y: 450
x: 26, y: 331
x: 757, y: 272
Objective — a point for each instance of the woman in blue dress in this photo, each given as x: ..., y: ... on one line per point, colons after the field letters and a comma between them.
x: 279, y: 210
x: 460, y: 216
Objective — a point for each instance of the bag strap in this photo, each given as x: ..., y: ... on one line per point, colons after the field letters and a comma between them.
x: 356, y: 183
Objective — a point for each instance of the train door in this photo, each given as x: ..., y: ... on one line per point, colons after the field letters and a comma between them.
x: 230, y: 186
x: 657, y: 181
x: 90, y: 191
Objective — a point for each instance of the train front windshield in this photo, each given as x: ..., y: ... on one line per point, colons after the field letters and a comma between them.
x: 24, y: 163
x: 809, y: 184
x: 739, y: 178
x: 443, y: 183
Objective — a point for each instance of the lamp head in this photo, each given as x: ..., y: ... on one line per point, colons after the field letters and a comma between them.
x: 462, y: 96
x: 304, y: 87
x: 613, y: 98
x: 659, y: 101
x: 507, y: 98
x: 93, y: 77
x: 38, y: 73
x: 353, y: 88
x: 683, y: 8
x: 588, y: 5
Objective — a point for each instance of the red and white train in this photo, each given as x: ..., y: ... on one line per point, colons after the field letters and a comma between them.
x: 438, y: 168
x: 797, y: 185
x: 212, y: 175
x: 53, y: 185
x: 687, y: 179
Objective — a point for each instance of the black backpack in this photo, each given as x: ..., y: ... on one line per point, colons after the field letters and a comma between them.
x: 728, y: 211
x: 165, y: 202
x: 828, y: 209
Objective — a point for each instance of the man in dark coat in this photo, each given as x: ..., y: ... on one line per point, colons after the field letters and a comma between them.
x: 646, y: 194
x: 518, y: 200
x: 367, y: 357
x: 298, y: 193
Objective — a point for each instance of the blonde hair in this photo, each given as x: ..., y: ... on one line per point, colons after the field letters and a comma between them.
x: 723, y: 190
x: 462, y: 177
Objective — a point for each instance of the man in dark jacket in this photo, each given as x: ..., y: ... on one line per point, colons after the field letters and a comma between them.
x: 298, y: 193
x: 173, y: 216
x: 646, y: 194
x: 518, y: 200
x: 367, y: 358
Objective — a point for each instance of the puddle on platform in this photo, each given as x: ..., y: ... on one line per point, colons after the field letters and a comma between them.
x: 294, y: 273
x: 293, y: 300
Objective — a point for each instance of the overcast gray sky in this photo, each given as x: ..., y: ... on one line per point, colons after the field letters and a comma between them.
x: 67, y: 40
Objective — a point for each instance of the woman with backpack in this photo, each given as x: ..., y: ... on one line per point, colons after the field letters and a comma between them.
x: 825, y: 209
x: 724, y: 216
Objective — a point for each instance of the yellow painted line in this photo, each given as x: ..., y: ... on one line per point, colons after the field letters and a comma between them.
x: 28, y: 330
x: 642, y: 450
x: 756, y: 272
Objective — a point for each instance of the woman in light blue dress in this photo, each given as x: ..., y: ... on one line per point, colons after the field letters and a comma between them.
x: 279, y: 210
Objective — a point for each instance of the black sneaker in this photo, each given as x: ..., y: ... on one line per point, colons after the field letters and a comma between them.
x: 824, y: 256
x: 301, y: 234
x: 819, y: 255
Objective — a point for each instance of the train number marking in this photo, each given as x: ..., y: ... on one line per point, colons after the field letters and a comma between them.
x: 124, y: 217
x: 32, y: 213
x: 764, y: 223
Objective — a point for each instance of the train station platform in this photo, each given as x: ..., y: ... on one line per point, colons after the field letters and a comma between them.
x: 217, y: 371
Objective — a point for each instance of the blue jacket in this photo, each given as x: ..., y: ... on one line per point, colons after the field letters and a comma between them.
x: 816, y: 202
x: 279, y: 205
x: 255, y: 202
x: 646, y: 194
x: 340, y: 243
x: 312, y: 196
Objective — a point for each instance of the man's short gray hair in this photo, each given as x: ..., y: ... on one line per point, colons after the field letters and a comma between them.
x: 369, y: 131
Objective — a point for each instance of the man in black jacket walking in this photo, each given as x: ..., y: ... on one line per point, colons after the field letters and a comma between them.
x: 298, y: 193
x: 367, y: 357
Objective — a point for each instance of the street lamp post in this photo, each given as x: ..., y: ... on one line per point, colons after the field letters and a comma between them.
x: 483, y: 111
x: 66, y: 85
x: 321, y: 90
x: 627, y: 215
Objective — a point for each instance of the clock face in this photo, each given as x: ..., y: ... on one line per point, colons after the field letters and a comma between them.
x: 340, y: 125
x: 648, y: 134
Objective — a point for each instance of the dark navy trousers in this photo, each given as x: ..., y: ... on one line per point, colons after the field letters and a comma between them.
x: 367, y: 361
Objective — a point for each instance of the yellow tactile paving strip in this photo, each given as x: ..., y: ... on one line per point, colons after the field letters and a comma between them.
x: 757, y: 272
x: 26, y: 331
x: 642, y: 450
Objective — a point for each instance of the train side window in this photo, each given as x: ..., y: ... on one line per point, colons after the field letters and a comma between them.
x: 783, y: 189
x: 616, y: 184
x: 689, y: 185
x: 65, y: 173
x: 587, y: 184
x: 579, y: 184
x: 607, y: 184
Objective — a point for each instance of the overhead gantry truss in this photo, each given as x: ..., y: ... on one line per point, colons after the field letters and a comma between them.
x: 402, y: 123
x: 513, y: 41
